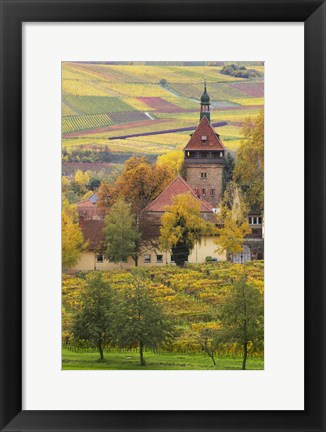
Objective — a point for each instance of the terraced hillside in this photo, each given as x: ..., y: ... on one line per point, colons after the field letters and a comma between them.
x: 102, y: 101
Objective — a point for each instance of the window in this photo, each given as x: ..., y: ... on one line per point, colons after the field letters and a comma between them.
x: 159, y: 259
x: 203, y: 191
x: 212, y: 192
x: 204, y: 139
x: 255, y: 220
x: 147, y: 259
x: 203, y: 175
x: 99, y: 258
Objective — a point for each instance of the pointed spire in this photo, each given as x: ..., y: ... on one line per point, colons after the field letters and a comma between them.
x: 204, y: 104
x: 205, y: 98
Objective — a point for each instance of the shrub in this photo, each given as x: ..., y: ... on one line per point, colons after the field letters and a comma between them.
x: 239, y: 72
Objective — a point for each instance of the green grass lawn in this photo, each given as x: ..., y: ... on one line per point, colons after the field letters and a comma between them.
x: 129, y: 360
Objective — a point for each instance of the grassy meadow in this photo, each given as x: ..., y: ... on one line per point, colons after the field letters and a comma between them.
x: 129, y: 360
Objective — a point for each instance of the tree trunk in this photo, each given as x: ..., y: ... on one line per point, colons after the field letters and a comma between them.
x: 141, y: 353
x: 245, y: 352
x: 213, y: 359
x: 101, y: 351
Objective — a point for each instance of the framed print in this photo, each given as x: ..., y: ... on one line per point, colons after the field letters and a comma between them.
x: 162, y: 219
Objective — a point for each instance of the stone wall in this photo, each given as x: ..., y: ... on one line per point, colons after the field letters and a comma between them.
x: 213, y: 180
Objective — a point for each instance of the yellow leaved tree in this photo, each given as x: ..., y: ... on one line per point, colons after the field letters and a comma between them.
x: 249, y: 167
x: 173, y: 160
x: 182, y: 226
x: 72, y: 237
x: 81, y: 178
x: 232, y: 217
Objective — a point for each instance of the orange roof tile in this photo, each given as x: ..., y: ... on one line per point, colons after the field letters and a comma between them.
x: 176, y: 187
x: 204, y: 129
x: 93, y: 232
x: 85, y: 204
x: 89, y: 210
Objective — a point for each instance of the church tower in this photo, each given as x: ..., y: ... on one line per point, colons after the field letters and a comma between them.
x: 204, y: 157
x: 204, y: 105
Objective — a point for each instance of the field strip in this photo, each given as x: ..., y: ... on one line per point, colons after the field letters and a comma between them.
x: 71, y: 106
x: 112, y: 128
x: 166, y: 131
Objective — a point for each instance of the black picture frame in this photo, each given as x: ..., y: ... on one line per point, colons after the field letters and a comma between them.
x: 13, y: 14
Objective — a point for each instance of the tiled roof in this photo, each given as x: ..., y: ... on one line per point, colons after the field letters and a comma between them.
x: 176, y: 187
x: 88, y: 210
x: 93, y: 232
x: 211, y: 142
x: 83, y: 204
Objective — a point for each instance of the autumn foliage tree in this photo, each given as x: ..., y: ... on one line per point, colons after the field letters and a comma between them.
x: 232, y: 216
x: 141, y: 182
x: 81, y: 178
x: 182, y: 226
x: 249, y: 167
x: 104, y: 194
x: 72, y: 236
x: 172, y: 160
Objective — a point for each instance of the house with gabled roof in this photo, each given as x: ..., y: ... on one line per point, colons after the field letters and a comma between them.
x: 176, y: 187
x: 155, y: 210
